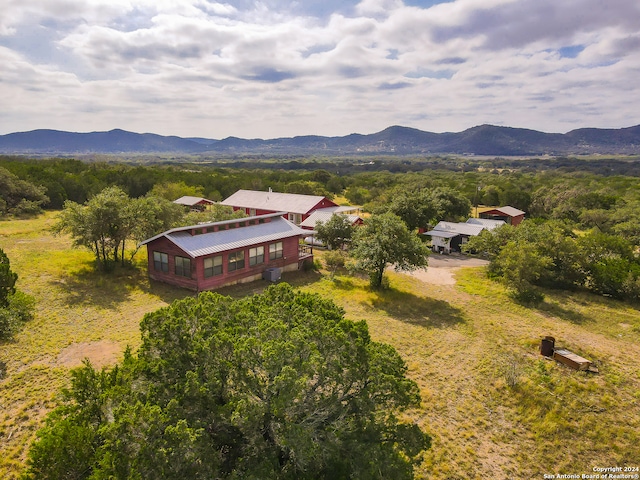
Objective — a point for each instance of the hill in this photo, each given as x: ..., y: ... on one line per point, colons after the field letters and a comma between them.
x: 479, y: 140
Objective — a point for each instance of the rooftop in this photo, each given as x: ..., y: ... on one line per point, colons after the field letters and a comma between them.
x: 271, y: 228
x: 273, y: 201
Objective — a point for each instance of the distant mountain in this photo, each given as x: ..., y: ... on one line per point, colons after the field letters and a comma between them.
x: 114, y: 141
x: 480, y: 140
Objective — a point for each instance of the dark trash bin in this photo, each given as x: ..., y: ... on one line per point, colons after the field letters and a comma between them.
x: 547, y: 346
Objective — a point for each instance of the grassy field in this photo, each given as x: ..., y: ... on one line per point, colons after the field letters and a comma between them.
x: 494, y: 406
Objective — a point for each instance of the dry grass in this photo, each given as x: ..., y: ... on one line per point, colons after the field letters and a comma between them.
x: 494, y: 407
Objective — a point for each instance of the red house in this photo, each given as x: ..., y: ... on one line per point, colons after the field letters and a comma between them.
x: 296, y: 207
x: 509, y: 215
x: 211, y: 255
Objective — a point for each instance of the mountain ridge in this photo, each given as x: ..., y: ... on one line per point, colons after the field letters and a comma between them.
x: 479, y: 140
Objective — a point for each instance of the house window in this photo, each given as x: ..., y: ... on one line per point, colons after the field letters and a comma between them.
x: 256, y: 256
x: 236, y: 261
x: 183, y: 266
x: 213, y: 266
x: 275, y: 250
x: 295, y: 218
x: 252, y: 212
x: 161, y: 261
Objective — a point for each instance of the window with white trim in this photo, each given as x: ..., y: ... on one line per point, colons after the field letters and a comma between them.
x: 295, y: 218
x: 256, y: 256
x: 213, y: 266
x: 275, y: 250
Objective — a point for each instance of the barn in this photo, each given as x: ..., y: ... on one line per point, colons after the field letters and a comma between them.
x: 507, y: 214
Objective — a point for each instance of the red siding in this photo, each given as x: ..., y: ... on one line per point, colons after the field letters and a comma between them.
x: 513, y: 220
x: 199, y: 282
x: 324, y: 203
x: 165, y: 246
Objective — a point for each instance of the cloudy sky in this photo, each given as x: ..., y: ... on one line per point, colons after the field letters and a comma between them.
x: 275, y: 68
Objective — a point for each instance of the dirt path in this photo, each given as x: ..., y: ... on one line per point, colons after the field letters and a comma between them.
x: 441, y: 268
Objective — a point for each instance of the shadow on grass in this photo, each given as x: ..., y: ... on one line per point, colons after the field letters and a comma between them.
x: 109, y: 289
x: 563, y: 313
x: 296, y: 279
x: 417, y: 310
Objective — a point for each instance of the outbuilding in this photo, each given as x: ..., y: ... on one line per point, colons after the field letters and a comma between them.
x: 194, y: 203
x: 447, y: 237
x: 507, y: 214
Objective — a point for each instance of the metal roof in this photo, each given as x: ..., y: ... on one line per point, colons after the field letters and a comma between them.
x: 488, y: 223
x: 441, y: 234
x: 274, y: 201
x: 510, y: 211
x: 340, y: 209
x: 322, y: 217
x: 191, y: 201
x: 215, y: 242
x: 459, y: 228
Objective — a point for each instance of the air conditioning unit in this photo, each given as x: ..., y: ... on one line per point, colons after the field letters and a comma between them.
x: 272, y: 274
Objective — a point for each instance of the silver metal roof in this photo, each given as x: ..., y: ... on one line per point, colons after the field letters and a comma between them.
x: 459, y: 228
x: 488, y: 223
x: 215, y: 242
x: 322, y: 217
x: 510, y: 211
x: 340, y: 209
x: 275, y: 201
x: 441, y: 234
x: 191, y: 201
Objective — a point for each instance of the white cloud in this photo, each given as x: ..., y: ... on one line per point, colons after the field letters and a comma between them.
x: 247, y: 69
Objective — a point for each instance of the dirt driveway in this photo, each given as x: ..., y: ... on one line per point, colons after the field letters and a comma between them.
x: 442, y: 267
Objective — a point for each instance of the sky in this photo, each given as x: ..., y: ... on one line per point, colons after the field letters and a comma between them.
x: 272, y: 68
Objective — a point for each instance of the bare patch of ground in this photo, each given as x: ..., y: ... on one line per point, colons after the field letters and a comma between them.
x: 100, y: 354
x: 441, y: 268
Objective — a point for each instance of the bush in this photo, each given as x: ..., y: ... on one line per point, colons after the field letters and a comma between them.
x: 334, y: 260
x: 309, y: 265
x: 528, y: 296
x: 27, y: 208
x: 12, y: 317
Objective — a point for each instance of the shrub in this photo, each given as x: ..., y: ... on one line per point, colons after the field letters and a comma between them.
x: 19, y: 311
x: 27, y: 208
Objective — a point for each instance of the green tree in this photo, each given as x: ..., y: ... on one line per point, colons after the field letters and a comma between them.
x: 608, y: 261
x: 415, y: 208
x: 335, y: 232
x: 110, y: 218
x: 97, y: 225
x: 19, y: 197
x: 147, y: 216
x: 8, y: 279
x: 15, y: 307
x: 215, y: 213
x: 334, y: 260
x: 278, y: 385
x: 174, y: 190
x: 385, y: 240
x: 521, y: 265
x: 449, y: 204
